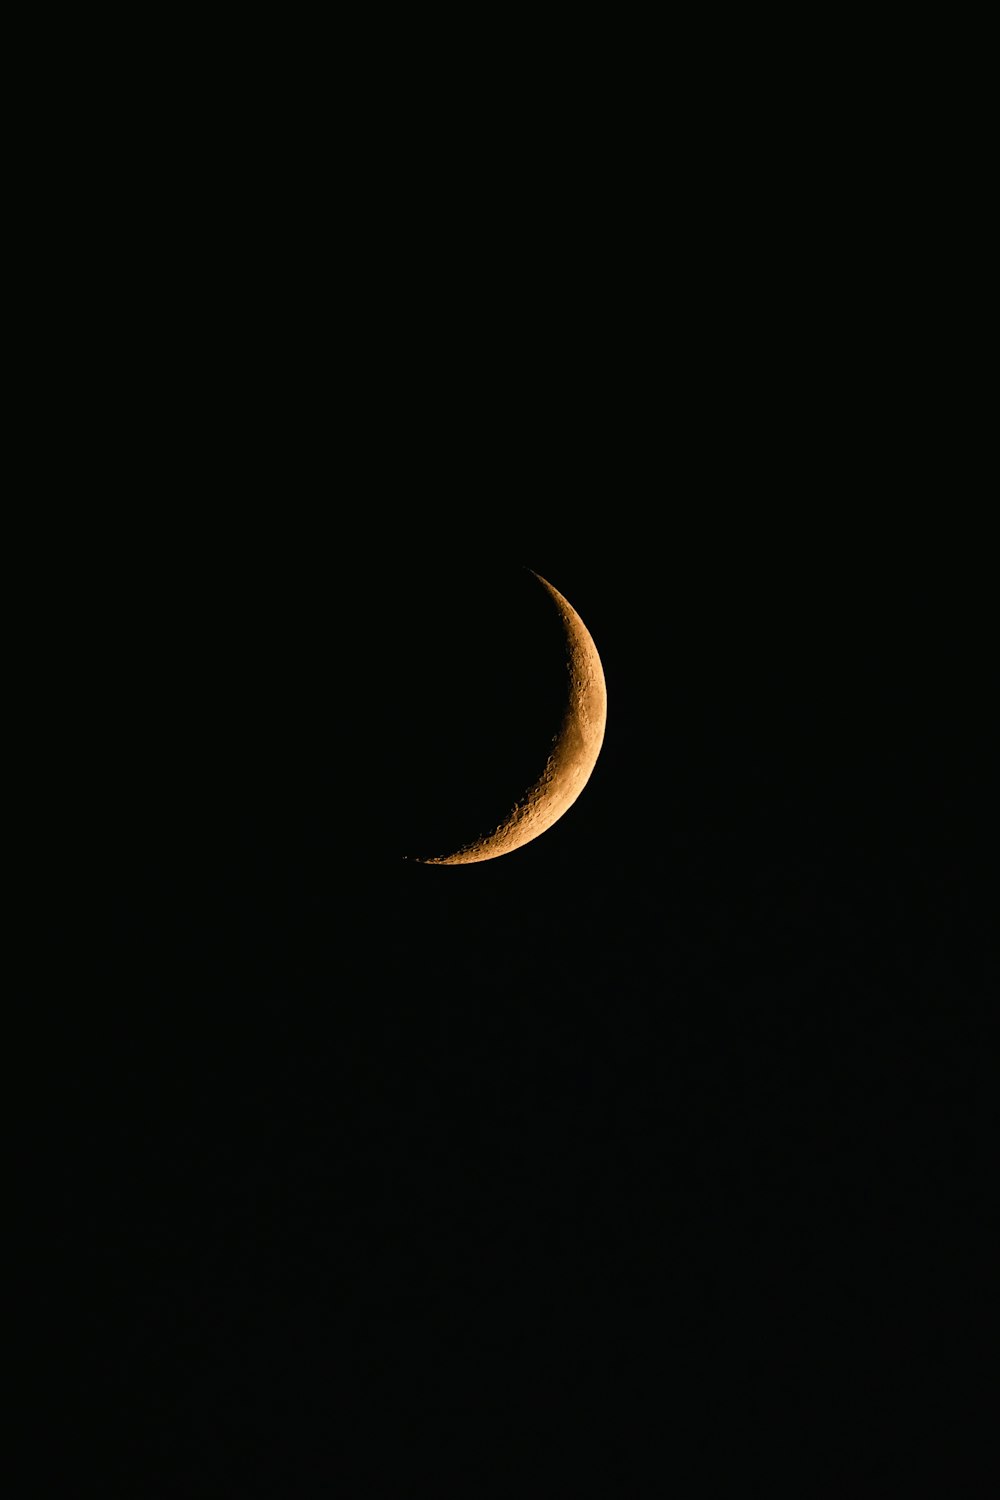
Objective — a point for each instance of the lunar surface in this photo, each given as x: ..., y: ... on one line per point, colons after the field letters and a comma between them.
x: 575, y: 748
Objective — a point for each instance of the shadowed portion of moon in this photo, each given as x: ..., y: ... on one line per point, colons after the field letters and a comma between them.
x: 573, y: 752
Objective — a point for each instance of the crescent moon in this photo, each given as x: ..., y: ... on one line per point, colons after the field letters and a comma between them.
x: 575, y: 748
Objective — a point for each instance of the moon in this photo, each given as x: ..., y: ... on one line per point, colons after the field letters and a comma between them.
x: 572, y: 758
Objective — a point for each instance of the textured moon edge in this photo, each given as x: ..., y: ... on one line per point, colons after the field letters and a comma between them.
x: 575, y: 750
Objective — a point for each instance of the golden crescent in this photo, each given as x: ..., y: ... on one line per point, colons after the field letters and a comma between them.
x: 574, y: 752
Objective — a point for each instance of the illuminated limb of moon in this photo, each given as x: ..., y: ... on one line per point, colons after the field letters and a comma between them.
x: 572, y: 758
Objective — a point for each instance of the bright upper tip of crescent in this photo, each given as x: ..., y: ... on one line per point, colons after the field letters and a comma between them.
x: 574, y: 752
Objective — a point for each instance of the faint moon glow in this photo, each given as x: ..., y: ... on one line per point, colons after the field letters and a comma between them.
x: 572, y: 758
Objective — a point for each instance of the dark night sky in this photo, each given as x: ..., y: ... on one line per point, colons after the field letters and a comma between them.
x: 658, y: 1152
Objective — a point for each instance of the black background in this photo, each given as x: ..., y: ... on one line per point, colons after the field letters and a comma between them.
x: 656, y: 1153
